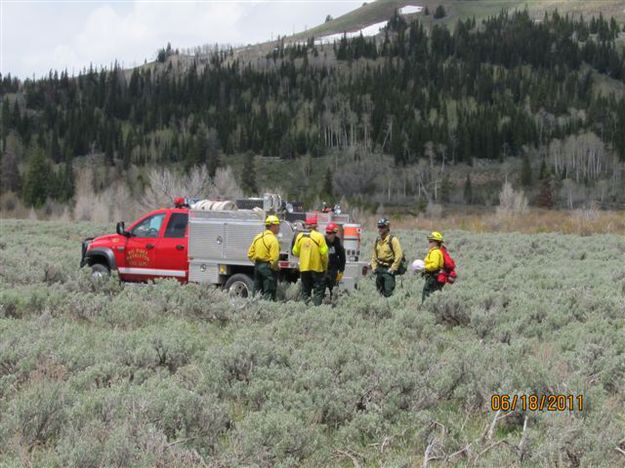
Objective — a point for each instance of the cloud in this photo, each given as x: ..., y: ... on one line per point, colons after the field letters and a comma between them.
x: 135, y: 36
x: 72, y: 36
x: 37, y: 41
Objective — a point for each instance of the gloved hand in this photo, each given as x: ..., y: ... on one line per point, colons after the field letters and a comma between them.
x: 339, y: 276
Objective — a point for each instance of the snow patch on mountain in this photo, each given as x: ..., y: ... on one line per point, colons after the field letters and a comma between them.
x: 410, y: 9
x: 370, y: 30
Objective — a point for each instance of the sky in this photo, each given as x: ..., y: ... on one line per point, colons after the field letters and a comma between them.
x: 43, y: 35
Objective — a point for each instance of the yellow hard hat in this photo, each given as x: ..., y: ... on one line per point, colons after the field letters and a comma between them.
x: 436, y: 236
x: 272, y: 219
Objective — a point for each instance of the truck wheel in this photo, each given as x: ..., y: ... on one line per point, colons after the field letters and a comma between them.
x: 99, y: 271
x: 239, y: 285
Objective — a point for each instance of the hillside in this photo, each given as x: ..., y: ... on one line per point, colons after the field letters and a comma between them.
x: 411, y: 118
x: 382, y: 10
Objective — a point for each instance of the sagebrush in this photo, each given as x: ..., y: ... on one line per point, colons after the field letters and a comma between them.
x: 110, y: 374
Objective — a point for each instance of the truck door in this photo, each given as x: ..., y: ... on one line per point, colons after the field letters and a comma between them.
x: 141, y: 249
x: 172, y: 259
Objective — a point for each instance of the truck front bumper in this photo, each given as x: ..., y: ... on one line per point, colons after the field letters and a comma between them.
x: 83, y: 256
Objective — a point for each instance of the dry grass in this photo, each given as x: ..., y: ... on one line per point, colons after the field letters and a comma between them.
x: 582, y: 222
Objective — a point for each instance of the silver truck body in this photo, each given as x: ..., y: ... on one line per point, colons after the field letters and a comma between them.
x: 219, y: 241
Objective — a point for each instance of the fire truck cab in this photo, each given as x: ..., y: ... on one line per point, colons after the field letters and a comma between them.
x: 207, y: 242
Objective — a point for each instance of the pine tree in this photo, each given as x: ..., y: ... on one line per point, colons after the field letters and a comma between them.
x: 199, y: 149
x: 212, y: 151
x: 544, y: 172
x: 248, y: 178
x: 36, y: 181
x: 526, y: 172
x: 6, y: 120
x: 66, y: 184
x: 545, y: 195
x: 446, y: 188
x: 55, y: 147
x: 328, y: 184
x: 468, y: 190
x: 440, y: 12
x: 10, y: 179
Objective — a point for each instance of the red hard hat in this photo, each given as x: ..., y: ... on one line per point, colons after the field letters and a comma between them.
x: 332, y: 227
x: 311, y: 221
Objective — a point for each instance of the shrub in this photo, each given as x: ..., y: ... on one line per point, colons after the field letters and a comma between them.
x: 38, y: 415
x: 448, y: 310
x: 159, y: 374
x: 183, y: 414
x: 266, y: 438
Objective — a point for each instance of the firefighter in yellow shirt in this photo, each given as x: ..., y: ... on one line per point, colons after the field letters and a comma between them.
x: 265, y: 252
x: 387, y: 256
x: 311, y: 248
x: 434, y: 262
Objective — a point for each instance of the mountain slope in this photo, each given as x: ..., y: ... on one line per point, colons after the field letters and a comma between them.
x: 381, y: 10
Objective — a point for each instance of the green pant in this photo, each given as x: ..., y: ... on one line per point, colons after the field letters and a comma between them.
x: 384, y: 281
x: 265, y: 281
x: 431, y: 285
x: 313, y: 280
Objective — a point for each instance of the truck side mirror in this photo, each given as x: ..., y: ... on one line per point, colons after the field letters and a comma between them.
x: 121, y: 229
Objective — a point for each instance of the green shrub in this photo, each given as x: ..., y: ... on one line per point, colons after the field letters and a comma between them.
x: 160, y: 374
x: 448, y: 310
x: 37, y: 416
x: 271, y: 437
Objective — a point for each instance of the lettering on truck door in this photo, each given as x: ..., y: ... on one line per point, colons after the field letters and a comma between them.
x: 142, y: 249
x: 173, y: 248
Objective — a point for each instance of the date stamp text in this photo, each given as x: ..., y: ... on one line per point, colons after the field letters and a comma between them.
x: 533, y: 402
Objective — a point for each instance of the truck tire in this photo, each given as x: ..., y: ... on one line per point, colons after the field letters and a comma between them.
x: 240, y: 285
x: 99, y: 271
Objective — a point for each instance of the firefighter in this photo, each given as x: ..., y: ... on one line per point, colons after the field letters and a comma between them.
x: 434, y: 262
x: 264, y: 252
x: 336, y: 258
x: 311, y: 248
x: 387, y: 256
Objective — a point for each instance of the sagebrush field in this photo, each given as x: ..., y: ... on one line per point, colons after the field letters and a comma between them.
x: 107, y: 374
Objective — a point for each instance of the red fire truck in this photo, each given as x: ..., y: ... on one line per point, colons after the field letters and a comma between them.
x: 207, y: 242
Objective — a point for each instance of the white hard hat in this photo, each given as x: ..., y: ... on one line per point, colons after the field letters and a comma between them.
x: 417, y: 265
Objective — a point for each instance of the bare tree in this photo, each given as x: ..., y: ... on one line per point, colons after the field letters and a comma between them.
x: 510, y: 201
x: 225, y: 185
x: 114, y: 203
x: 580, y: 157
x: 165, y: 184
x: 357, y: 178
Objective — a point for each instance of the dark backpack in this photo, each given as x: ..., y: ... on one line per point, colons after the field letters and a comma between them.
x: 403, y: 264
